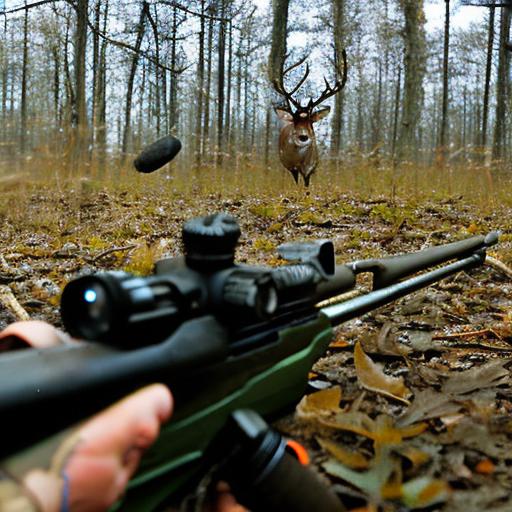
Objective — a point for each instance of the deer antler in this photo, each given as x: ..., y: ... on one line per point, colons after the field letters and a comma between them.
x: 280, y: 88
x: 341, y: 79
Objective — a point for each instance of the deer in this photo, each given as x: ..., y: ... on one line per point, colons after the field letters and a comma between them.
x: 298, y: 151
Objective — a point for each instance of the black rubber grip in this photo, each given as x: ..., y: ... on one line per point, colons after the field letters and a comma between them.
x: 288, y: 487
x: 157, y: 154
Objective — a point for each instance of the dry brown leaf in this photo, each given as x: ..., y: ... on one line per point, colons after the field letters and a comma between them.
x: 339, y: 344
x: 321, y: 403
x: 352, y: 421
x: 414, y: 455
x: 485, y: 467
x: 387, y: 344
x: 352, y: 459
x: 428, y: 404
x: 491, y: 374
x: 372, y: 377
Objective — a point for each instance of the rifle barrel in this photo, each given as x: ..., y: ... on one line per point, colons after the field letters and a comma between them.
x: 339, y: 313
x: 389, y: 270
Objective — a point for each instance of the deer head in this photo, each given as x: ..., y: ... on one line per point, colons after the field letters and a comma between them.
x: 297, y: 142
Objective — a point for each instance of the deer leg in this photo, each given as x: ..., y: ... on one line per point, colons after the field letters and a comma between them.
x: 306, y: 180
x: 295, y: 174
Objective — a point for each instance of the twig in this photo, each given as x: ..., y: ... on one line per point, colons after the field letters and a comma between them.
x: 12, y: 179
x: 114, y: 249
x: 9, y: 301
x: 498, y: 265
x: 466, y: 334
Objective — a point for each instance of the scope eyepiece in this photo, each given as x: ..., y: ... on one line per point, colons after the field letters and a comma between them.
x: 251, y: 292
x: 117, y: 307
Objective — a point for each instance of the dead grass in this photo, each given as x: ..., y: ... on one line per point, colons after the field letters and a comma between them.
x: 480, y: 185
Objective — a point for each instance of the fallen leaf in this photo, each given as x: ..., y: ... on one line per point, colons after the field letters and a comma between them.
x: 323, y: 402
x: 477, y: 436
x: 420, y: 341
x: 485, y: 467
x: 424, y: 491
x: 491, y: 374
x: 339, y: 344
x: 371, y: 482
x: 428, y: 404
x: 387, y: 344
x: 349, y: 458
x: 414, y: 455
x: 372, y: 377
x: 351, y: 421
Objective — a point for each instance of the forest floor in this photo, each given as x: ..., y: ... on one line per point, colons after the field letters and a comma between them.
x: 412, y: 404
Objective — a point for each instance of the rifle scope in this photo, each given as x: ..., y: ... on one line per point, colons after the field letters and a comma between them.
x: 123, y: 309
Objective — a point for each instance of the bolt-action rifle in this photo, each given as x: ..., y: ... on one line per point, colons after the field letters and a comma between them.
x: 233, y: 342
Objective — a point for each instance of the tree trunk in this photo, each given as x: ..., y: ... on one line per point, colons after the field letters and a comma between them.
x: 414, y: 64
x: 377, y: 112
x: 337, y: 117
x: 173, y: 83
x: 236, y: 138
x: 100, y: 114
x: 95, y: 62
x: 56, y: 85
x: 206, y: 122
x: 396, y: 113
x: 140, y: 110
x: 444, y: 112
x: 246, y: 92
x: 70, y: 93
x: 464, y: 122
x: 268, y: 130
x: 157, y: 107
x: 79, y: 120
x: 279, y: 33
x: 227, y: 136
x: 23, y: 133
x: 5, y: 79
x: 220, y: 85
x: 131, y: 78
x: 200, y: 91
x: 488, y: 71
x: 502, y: 88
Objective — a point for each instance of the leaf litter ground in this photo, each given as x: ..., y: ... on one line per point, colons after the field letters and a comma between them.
x: 410, y: 408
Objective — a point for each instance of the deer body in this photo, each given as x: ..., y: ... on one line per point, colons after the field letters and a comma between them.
x: 297, y: 141
x: 297, y: 144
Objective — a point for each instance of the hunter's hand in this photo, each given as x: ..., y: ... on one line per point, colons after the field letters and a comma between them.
x: 90, y: 469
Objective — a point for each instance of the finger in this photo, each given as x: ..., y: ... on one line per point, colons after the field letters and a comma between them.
x: 32, y: 333
x: 111, y: 444
x: 226, y: 502
x: 134, y: 422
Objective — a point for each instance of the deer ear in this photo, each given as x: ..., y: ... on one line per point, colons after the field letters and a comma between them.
x: 283, y: 114
x: 320, y: 114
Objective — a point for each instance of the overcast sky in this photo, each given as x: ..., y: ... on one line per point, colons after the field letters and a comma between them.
x: 434, y: 11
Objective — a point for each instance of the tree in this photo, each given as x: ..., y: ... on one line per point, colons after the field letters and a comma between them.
x: 131, y: 77
x: 337, y: 115
x: 279, y: 34
x: 414, y: 71
x: 488, y: 70
x: 23, y: 137
x: 444, y: 114
x: 79, y: 113
x: 502, y: 88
